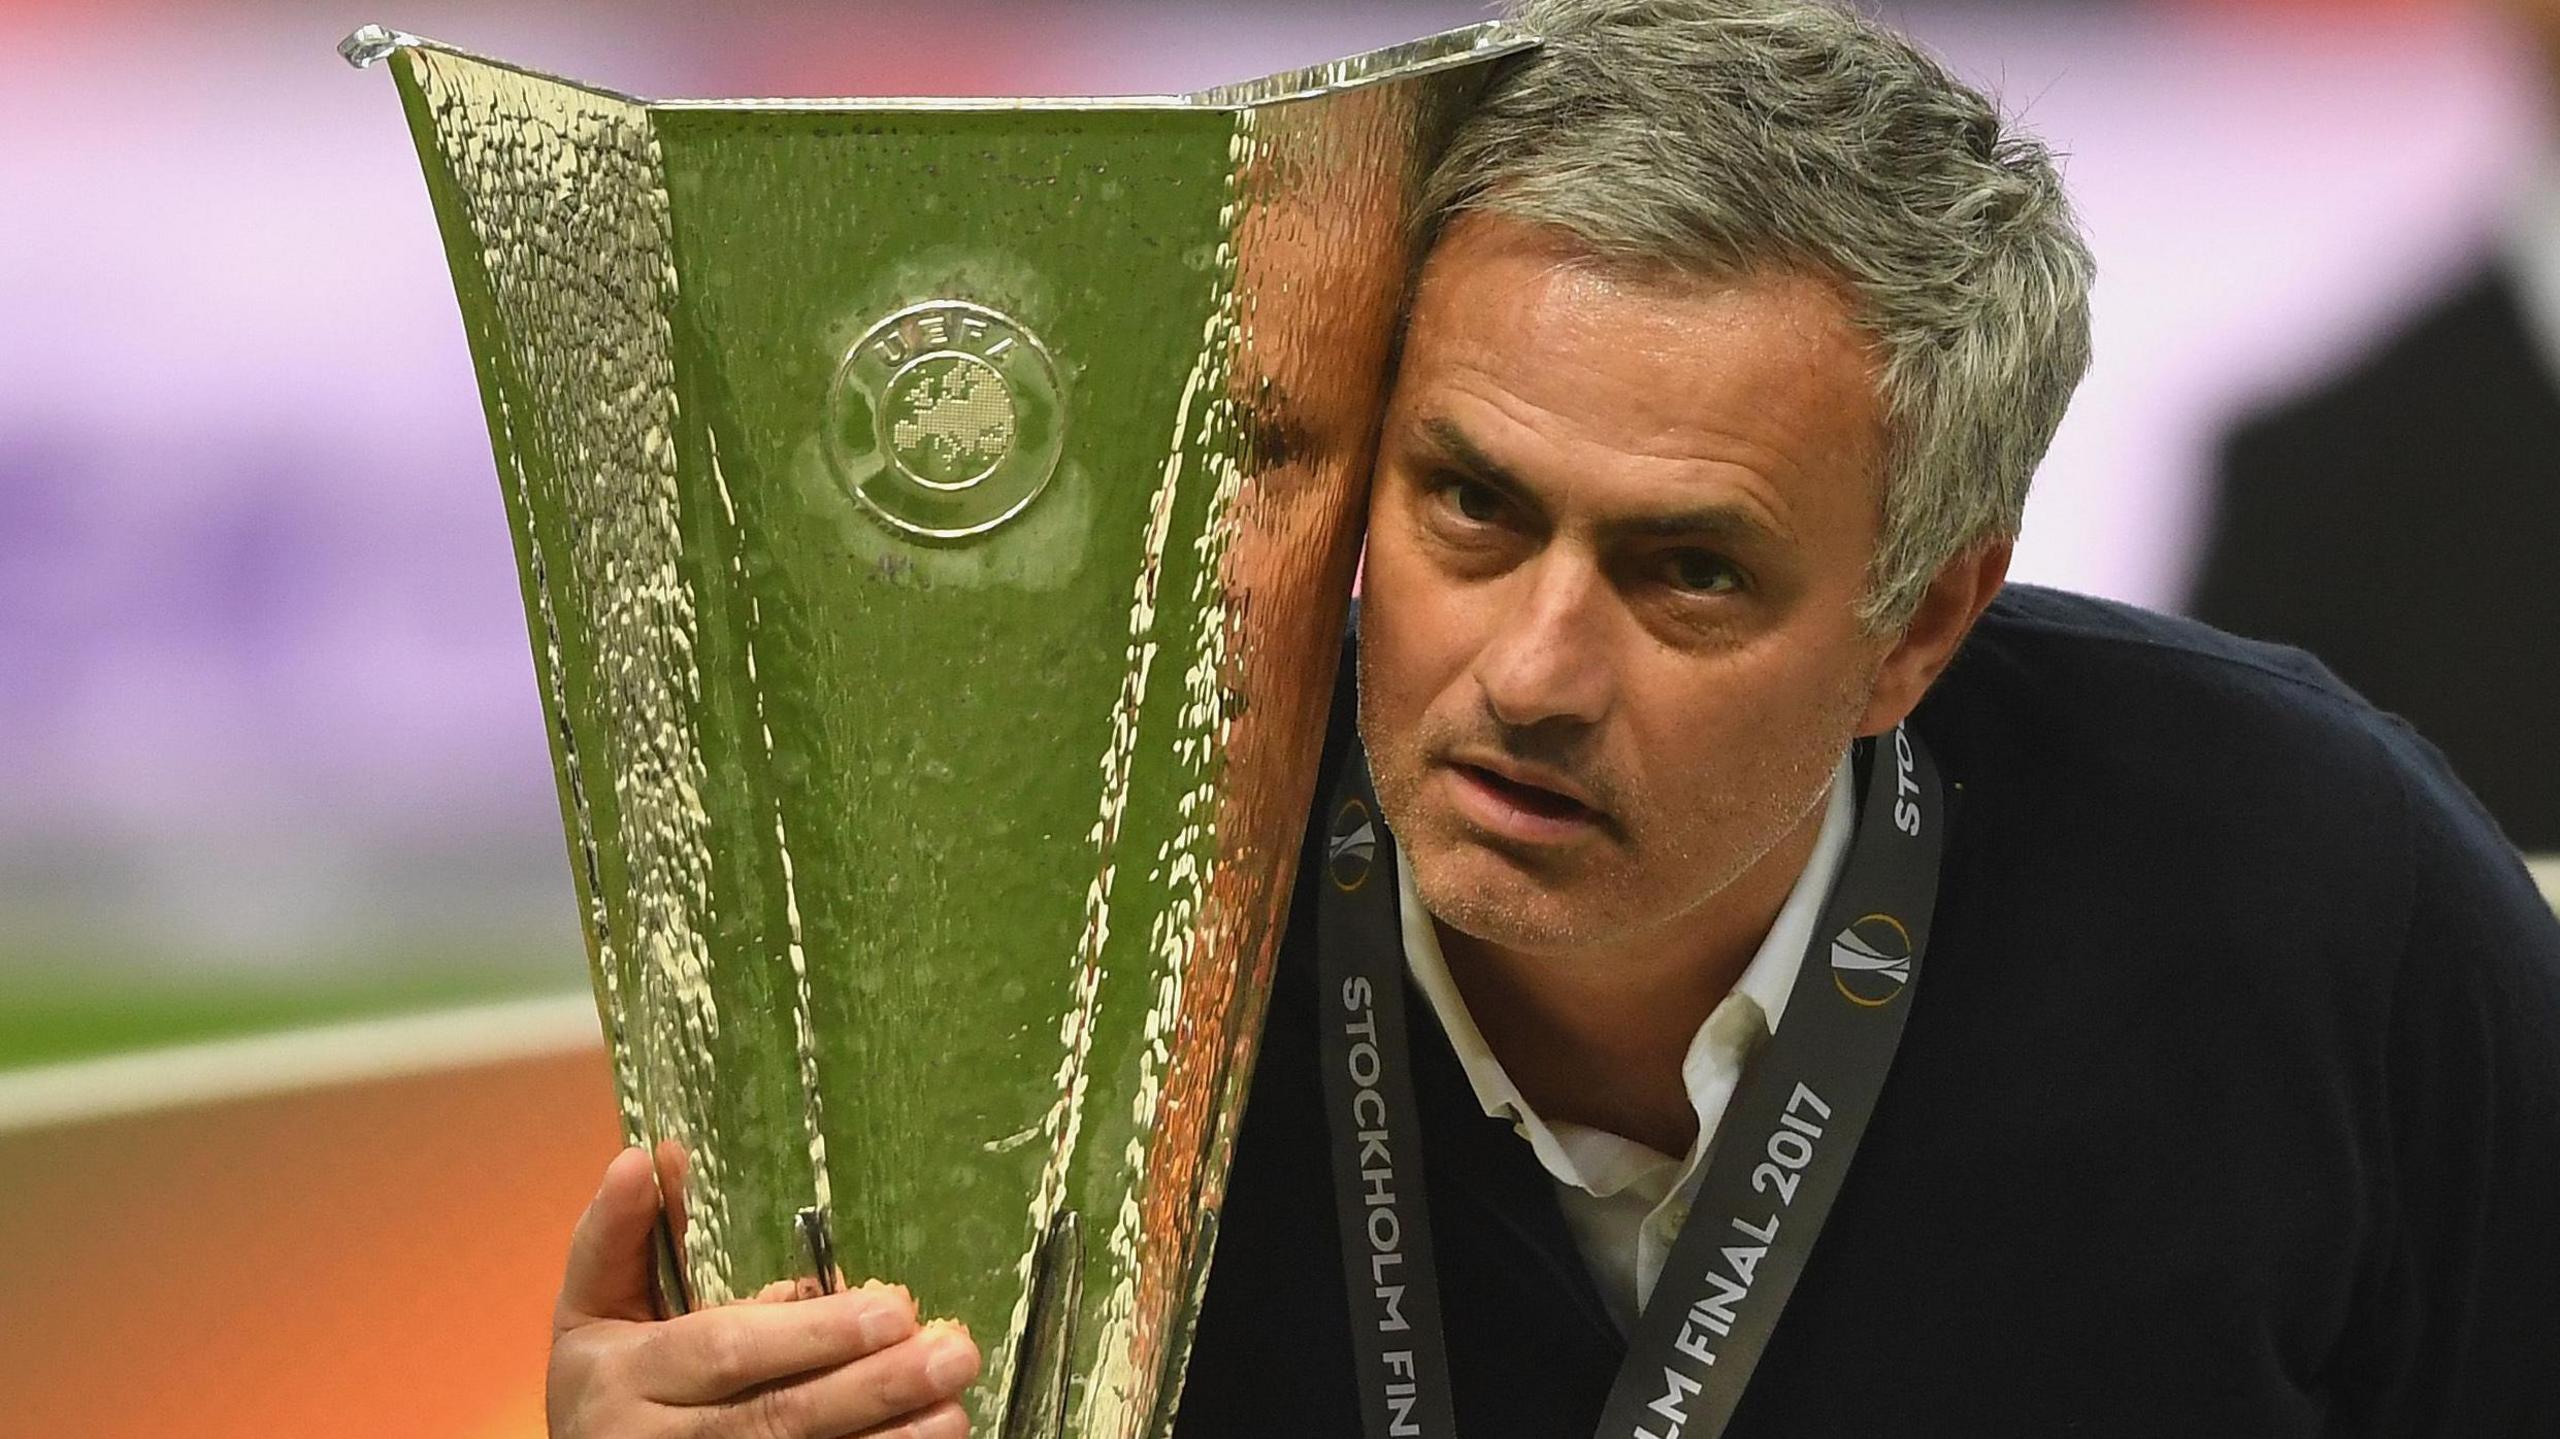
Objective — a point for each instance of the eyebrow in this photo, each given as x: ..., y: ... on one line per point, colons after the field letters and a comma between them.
x: 1728, y: 525
x: 1454, y: 446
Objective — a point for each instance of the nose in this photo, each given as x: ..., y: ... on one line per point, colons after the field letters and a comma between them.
x: 1547, y: 660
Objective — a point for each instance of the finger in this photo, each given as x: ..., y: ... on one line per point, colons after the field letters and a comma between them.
x: 713, y: 1356
x: 609, y: 1254
x: 805, y: 1286
x: 946, y: 1420
x: 896, y: 1386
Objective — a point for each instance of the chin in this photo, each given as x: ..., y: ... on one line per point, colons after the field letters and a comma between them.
x: 1489, y: 898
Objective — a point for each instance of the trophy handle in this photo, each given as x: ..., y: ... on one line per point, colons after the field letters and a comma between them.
x: 820, y: 1246
x: 674, y: 1295
x: 1039, y: 1407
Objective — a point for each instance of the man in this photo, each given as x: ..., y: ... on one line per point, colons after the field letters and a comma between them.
x: 2398, y: 520
x: 2231, y: 1101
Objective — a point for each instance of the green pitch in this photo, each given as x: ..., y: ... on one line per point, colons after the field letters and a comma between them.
x: 52, y: 1010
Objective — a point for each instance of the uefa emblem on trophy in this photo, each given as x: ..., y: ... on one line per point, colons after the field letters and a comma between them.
x: 946, y: 419
x: 936, y: 521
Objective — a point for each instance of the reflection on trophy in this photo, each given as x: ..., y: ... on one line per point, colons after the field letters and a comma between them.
x: 936, y: 520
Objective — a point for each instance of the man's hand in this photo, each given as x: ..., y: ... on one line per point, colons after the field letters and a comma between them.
x: 853, y: 1363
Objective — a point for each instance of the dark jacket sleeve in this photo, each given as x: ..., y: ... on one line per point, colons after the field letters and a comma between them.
x: 2460, y: 1330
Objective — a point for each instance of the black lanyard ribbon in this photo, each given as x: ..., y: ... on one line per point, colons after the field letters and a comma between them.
x: 1781, y: 1149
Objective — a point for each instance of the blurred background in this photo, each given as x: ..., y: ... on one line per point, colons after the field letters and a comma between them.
x: 298, y: 1085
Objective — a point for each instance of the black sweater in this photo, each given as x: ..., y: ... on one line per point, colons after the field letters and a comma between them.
x: 2230, y: 1104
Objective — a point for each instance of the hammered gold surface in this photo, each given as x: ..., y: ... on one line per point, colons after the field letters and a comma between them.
x: 936, y: 523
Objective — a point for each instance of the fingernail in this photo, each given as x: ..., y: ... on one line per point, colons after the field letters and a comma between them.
x: 883, y: 1324
x: 952, y: 1360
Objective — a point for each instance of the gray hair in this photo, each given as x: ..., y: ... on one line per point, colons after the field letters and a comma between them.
x: 1726, y: 137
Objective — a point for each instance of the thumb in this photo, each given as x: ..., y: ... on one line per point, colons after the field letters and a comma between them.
x: 610, y: 1255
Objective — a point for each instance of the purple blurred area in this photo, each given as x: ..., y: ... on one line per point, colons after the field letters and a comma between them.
x: 265, y: 693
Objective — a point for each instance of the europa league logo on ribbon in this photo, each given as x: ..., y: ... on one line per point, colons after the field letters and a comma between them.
x: 1871, y: 960
x: 945, y: 420
x: 1351, y: 845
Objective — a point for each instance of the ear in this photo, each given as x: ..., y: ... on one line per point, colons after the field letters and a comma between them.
x: 1956, y: 599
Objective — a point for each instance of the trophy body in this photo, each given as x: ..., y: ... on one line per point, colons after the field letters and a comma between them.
x: 936, y: 521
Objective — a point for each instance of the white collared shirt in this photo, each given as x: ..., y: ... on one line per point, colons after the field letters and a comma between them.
x: 1623, y: 1202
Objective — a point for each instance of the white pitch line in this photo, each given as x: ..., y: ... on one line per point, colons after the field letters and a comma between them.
x: 183, y: 1075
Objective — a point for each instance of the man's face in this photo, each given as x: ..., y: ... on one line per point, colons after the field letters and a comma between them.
x: 1609, y: 654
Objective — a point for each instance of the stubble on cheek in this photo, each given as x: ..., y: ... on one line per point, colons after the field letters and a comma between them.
x: 1387, y: 741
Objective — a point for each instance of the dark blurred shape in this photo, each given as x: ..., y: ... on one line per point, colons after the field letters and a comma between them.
x: 2402, y: 522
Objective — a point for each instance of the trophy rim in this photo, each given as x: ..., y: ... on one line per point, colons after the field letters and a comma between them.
x: 1410, y: 59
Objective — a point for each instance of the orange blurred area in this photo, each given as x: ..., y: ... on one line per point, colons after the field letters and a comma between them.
x: 373, y: 1259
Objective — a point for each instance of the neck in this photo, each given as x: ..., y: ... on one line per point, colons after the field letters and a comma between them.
x: 1599, y: 1034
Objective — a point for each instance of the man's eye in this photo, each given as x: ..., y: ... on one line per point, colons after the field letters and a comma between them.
x: 1475, y: 502
x: 1702, y: 572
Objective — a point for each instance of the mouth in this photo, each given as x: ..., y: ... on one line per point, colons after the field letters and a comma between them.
x: 1537, y: 799
x: 1519, y: 808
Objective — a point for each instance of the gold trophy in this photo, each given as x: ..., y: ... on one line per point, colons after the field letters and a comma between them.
x: 936, y: 520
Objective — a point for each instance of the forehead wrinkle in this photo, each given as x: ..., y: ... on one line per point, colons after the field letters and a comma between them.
x: 1648, y: 311
x: 1690, y: 441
